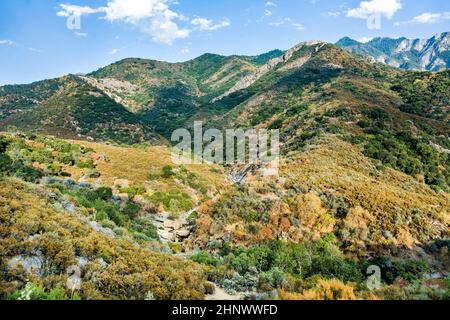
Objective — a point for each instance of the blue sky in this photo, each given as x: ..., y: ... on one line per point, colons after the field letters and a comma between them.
x: 37, y: 43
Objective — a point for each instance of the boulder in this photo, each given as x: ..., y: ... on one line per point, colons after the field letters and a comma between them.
x: 173, y: 225
x: 183, y: 233
x: 33, y: 264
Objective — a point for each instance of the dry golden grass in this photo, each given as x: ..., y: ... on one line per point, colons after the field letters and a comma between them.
x: 324, y: 290
x: 390, y: 197
x: 135, y: 165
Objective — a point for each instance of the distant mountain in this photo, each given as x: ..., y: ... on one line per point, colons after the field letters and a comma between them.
x: 410, y: 54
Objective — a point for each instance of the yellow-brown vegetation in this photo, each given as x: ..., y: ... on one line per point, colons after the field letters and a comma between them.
x: 116, y: 269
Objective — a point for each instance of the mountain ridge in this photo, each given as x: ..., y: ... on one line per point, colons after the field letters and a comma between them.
x: 431, y: 54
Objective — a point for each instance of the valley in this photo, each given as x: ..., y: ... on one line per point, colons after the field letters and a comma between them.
x: 87, y: 181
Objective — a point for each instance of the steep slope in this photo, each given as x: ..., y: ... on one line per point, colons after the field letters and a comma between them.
x: 71, y: 107
x: 41, y: 244
x: 163, y: 96
x: 322, y: 89
x: 363, y: 180
x: 411, y: 54
x: 323, y: 98
x: 85, y: 214
x: 167, y: 96
x: 17, y: 98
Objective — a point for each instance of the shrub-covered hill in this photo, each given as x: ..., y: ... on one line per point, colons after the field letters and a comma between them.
x: 168, y: 96
x: 71, y: 108
x: 145, y: 95
x: 144, y: 175
x: 80, y: 212
x: 329, y: 188
x: 129, y: 98
x: 17, y: 98
x: 43, y: 244
x: 322, y: 90
x: 313, y: 232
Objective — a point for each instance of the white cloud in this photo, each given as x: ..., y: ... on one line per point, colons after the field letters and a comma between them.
x: 68, y: 10
x: 7, y: 42
x: 333, y: 13
x: 208, y: 25
x: 280, y: 23
x: 136, y: 10
x: 35, y: 50
x: 270, y: 4
x: 366, y: 9
x: 427, y: 18
x: 153, y: 17
x: 113, y: 51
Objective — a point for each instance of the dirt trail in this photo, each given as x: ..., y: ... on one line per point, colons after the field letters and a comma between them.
x: 221, y: 294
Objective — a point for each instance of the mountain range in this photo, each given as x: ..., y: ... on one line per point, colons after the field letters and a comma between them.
x: 364, y: 178
x: 410, y: 54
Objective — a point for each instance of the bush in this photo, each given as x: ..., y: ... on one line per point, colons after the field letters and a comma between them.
x: 167, y: 172
x: 101, y: 216
x: 145, y: 226
x: 323, y: 290
x: 275, y: 261
x: 131, y: 209
x: 174, y: 200
x: 206, y: 258
x: 104, y: 193
x: 133, y: 191
x: 37, y: 292
x: 87, y: 164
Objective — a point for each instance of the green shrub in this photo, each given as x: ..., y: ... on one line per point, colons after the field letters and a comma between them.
x: 101, y: 216
x: 37, y: 292
x: 131, y: 209
x: 133, y: 191
x: 276, y: 260
x: 145, y: 226
x: 54, y: 169
x: 167, y: 172
x: 88, y: 164
x: 204, y: 257
x: 104, y: 193
x: 174, y: 200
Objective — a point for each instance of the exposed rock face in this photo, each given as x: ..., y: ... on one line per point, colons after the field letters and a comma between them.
x: 410, y: 54
x: 113, y: 88
x: 272, y: 64
x: 173, y: 230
